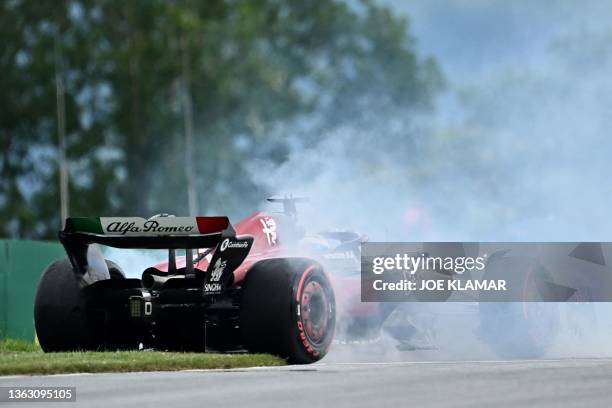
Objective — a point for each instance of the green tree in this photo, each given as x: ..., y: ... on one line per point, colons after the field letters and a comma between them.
x: 252, y: 66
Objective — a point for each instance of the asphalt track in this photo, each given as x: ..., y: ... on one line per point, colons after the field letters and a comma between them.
x: 540, y: 383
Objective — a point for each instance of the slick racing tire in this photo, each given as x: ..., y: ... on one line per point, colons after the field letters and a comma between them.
x: 288, y: 309
x: 60, y: 312
x: 519, y: 329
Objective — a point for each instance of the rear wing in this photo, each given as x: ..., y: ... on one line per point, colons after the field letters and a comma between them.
x: 153, y: 233
x: 136, y: 232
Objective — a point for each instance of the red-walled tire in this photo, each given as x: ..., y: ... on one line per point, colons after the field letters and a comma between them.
x: 288, y: 309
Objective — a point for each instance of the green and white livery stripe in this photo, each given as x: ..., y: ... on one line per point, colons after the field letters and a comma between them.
x: 138, y: 226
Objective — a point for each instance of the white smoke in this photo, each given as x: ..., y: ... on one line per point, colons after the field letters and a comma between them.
x: 518, y: 148
x: 133, y: 262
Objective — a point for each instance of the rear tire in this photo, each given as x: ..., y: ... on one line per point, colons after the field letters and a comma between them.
x: 60, y: 315
x: 288, y: 309
x: 60, y: 309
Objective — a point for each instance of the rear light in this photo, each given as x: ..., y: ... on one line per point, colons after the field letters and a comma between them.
x: 136, y: 306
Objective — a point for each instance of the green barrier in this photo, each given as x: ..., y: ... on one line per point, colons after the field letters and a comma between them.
x: 21, y: 264
x: 3, y: 290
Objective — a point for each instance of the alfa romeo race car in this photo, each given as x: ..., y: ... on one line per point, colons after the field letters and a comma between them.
x: 243, y: 287
x: 262, y: 285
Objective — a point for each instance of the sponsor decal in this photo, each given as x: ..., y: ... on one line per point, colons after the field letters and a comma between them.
x: 228, y: 243
x: 217, y: 271
x: 212, y: 288
x: 152, y: 226
x: 157, y: 226
x: 305, y: 341
x: 340, y: 255
x: 269, y: 228
x: 224, y: 244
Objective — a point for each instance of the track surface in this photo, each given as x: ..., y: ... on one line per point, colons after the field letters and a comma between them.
x: 543, y: 383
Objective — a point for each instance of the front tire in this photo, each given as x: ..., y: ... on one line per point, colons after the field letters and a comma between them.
x: 519, y: 329
x: 288, y: 309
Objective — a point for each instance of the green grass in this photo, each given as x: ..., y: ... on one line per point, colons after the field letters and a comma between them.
x: 19, y: 357
x: 9, y: 345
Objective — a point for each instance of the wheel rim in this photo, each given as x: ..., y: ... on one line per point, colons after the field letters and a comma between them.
x: 315, y: 316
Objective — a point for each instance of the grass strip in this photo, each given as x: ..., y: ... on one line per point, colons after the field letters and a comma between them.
x: 17, y: 357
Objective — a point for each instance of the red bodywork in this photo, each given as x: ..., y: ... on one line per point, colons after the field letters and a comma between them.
x: 277, y: 235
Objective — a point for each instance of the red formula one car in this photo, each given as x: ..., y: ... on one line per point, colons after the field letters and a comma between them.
x: 261, y: 285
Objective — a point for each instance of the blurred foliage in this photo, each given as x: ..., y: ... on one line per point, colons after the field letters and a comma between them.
x: 252, y: 66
